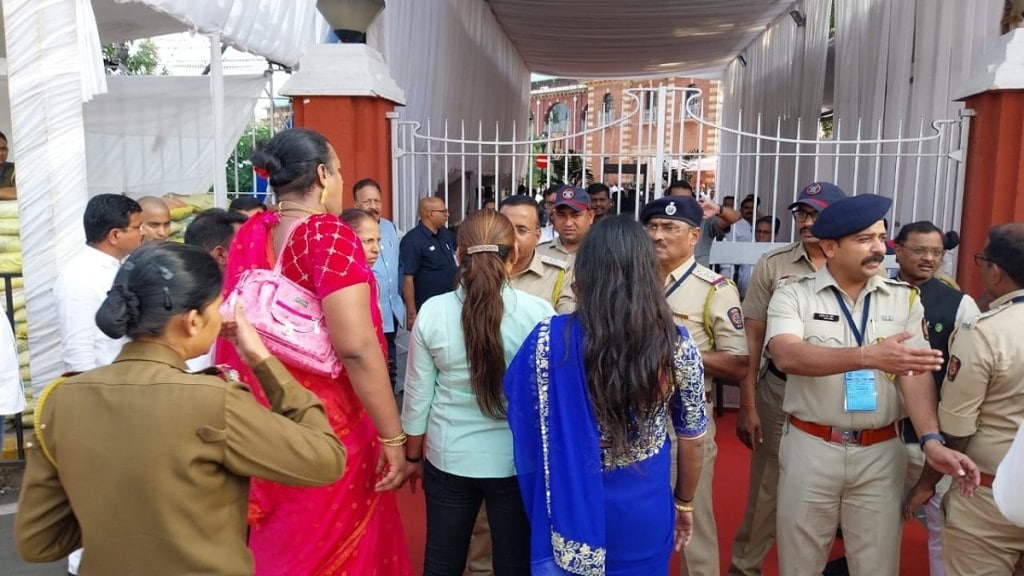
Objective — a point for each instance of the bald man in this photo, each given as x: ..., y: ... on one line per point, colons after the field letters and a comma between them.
x: 156, y: 219
x: 427, y: 258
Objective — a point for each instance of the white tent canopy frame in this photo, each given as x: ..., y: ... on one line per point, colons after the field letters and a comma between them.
x: 55, y: 64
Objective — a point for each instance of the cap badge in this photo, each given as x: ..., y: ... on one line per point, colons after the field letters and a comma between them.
x: 670, y: 209
x: 813, y: 189
x: 568, y: 193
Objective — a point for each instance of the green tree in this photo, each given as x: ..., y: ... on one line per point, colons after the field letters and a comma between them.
x: 133, y: 58
x: 240, y: 160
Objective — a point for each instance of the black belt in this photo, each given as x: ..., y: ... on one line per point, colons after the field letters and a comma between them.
x: 775, y: 370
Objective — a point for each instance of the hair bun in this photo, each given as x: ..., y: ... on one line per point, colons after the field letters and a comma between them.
x: 119, y: 311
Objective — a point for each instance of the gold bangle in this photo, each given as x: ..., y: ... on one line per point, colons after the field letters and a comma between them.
x: 683, y: 505
x: 680, y: 507
x: 747, y: 405
x: 395, y: 441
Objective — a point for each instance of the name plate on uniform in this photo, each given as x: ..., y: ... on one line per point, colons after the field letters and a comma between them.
x: 861, y: 393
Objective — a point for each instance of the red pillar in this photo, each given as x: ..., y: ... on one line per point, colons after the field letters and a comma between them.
x: 994, y: 176
x: 359, y: 130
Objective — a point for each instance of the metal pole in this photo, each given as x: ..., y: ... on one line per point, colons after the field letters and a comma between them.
x: 220, y: 177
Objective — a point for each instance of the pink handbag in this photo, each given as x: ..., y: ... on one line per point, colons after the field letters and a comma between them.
x: 289, y: 319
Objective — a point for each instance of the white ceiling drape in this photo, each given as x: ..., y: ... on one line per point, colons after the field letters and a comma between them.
x: 633, y: 38
x: 780, y: 88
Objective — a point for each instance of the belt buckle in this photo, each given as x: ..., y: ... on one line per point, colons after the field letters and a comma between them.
x: 845, y: 436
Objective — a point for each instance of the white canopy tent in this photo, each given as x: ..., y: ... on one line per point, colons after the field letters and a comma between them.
x: 53, y: 51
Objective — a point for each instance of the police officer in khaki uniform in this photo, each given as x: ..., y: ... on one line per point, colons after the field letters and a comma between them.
x: 547, y: 277
x: 981, y: 410
x: 759, y: 423
x: 709, y: 307
x: 851, y: 343
x: 572, y: 218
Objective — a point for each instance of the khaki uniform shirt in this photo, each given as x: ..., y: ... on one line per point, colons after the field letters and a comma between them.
x: 147, y: 466
x: 556, y: 249
x: 983, y: 394
x: 806, y: 307
x: 707, y: 295
x: 773, y: 267
x: 549, y: 278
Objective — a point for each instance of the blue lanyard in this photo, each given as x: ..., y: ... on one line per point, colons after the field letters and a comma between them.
x: 681, y: 279
x: 1017, y: 300
x: 857, y: 333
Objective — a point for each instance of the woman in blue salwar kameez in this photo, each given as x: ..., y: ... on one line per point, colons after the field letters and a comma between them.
x: 590, y: 398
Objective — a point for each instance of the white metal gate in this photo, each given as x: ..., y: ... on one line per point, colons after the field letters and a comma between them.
x: 921, y: 168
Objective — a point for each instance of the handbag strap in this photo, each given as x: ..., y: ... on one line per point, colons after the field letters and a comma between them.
x: 278, y: 260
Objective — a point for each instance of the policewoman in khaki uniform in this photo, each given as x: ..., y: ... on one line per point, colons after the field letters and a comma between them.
x: 760, y: 422
x: 146, y: 465
x: 851, y: 343
x: 708, y: 306
x: 981, y: 410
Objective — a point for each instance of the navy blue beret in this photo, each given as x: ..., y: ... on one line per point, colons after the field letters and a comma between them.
x: 681, y: 208
x: 850, y: 215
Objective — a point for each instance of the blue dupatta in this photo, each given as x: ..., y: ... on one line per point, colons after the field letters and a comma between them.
x: 559, y: 467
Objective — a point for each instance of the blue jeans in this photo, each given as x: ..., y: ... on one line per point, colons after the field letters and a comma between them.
x: 452, y: 506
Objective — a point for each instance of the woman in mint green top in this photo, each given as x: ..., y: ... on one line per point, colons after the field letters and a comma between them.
x: 454, y: 412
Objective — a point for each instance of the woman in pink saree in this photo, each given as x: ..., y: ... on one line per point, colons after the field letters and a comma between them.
x: 352, y: 526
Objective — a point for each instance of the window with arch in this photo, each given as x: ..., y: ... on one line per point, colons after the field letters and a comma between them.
x: 607, y: 109
x: 558, y: 118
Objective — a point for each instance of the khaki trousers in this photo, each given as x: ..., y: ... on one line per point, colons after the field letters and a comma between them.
x: 976, y: 538
x: 480, y: 551
x: 754, y: 538
x: 700, y: 557
x: 821, y: 482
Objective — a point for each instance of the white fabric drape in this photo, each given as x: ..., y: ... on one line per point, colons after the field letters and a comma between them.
x: 280, y: 30
x: 150, y: 135
x: 783, y: 82
x: 633, y: 38
x: 454, y: 62
x: 900, y: 62
x: 45, y: 75
x: 94, y: 78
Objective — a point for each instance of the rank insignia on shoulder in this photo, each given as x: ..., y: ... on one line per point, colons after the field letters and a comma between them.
x: 953, y: 369
x: 736, y: 318
x: 826, y: 317
x: 224, y: 372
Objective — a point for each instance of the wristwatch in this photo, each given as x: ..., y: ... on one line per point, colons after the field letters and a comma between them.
x: 933, y: 436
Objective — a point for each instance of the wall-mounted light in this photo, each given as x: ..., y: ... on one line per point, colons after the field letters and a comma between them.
x: 743, y: 61
x: 798, y: 18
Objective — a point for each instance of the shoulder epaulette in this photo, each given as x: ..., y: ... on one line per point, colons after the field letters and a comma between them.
x: 709, y: 276
x: 972, y: 322
x: 223, y: 372
x: 792, y: 279
x: 780, y: 250
x: 558, y: 262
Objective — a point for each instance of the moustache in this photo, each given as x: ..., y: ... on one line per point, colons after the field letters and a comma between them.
x: 879, y: 258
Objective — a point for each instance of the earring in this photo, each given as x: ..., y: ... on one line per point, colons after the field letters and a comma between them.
x: 323, y: 196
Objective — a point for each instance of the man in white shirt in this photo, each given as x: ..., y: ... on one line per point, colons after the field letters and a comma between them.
x: 113, y: 228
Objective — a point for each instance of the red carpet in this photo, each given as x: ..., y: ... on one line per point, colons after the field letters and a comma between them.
x: 731, y: 478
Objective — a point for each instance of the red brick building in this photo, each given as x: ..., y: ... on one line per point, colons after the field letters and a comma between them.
x: 565, y: 107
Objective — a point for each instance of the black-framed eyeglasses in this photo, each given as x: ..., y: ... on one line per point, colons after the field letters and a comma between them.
x: 803, y: 215
x: 980, y: 260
